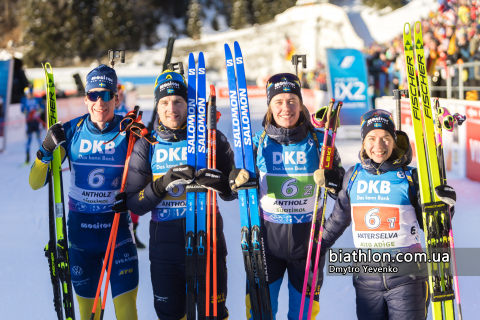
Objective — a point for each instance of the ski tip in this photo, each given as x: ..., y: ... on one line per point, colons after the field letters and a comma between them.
x: 332, y: 100
x: 406, y: 28
x: 226, y: 47
x: 236, y: 45
x: 200, y: 55
x: 417, y: 27
x: 212, y: 90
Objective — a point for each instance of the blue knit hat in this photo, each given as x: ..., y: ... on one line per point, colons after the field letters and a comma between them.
x: 102, y: 77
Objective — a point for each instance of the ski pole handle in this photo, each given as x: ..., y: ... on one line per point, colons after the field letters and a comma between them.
x: 325, y: 160
x: 212, y: 110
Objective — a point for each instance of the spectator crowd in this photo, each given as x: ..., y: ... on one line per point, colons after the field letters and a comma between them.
x: 451, y: 36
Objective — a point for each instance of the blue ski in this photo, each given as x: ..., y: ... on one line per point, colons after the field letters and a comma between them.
x: 252, y: 241
x: 190, y: 219
x: 201, y: 194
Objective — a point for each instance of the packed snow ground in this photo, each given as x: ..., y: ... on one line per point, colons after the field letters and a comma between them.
x: 26, y: 291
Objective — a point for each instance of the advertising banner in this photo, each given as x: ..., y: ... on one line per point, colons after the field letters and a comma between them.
x: 6, y: 73
x: 473, y: 142
x: 348, y: 83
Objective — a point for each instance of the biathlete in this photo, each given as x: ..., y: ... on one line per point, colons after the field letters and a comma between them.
x: 380, y: 196
x: 156, y: 182
x: 33, y: 109
x: 287, y: 157
x: 95, y: 177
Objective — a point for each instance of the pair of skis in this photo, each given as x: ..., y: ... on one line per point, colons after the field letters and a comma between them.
x: 56, y: 250
x: 431, y: 172
x: 200, y: 232
x: 326, y: 162
x: 251, y: 239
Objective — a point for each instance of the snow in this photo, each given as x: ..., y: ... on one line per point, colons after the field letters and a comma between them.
x: 26, y: 291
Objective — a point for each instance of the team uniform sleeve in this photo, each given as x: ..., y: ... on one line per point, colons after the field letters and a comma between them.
x: 340, y: 218
x: 225, y: 161
x: 140, y: 196
x: 40, y: 167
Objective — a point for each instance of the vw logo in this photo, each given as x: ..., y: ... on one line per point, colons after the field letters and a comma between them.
x: 76, y: 270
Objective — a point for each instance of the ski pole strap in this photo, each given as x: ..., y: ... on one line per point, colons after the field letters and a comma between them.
x: 139, y: 129
x: 250, y: 184
x: 434, y: 206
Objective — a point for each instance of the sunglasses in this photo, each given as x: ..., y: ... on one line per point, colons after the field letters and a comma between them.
x: 283, y: 77
x: 376, y: 113
x: 105, y: 95
x: 120, y: 87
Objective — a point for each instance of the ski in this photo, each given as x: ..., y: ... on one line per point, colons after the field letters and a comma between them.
x: 428, y: 168
x: 251, y: 240
x: 201, y: 139
x: 190, y: 219
x: 56, y: 250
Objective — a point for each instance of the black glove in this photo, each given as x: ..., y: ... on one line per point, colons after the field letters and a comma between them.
x: 55, y: 137
x: 213, y: 179
x: 328, y: 179
x: 240, y: 179
x: 446, y: 194
x: 120, y: 204
x: 183, y: 174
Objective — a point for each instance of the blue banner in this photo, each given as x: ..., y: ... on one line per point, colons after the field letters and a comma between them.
x: 348, y: 83
x: 5, y: 79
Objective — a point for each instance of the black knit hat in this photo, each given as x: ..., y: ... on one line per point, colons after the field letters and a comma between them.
x: 377, y: 119
x: 283, y: 83
x: 170, y: 83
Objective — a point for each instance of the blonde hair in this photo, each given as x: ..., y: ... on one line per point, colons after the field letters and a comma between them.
x: 270, y: 120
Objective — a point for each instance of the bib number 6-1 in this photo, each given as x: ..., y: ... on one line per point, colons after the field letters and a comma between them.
x: 373, y: 221
x: 95, y: 178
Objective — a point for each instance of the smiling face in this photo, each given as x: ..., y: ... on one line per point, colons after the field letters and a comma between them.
x: 100, y: 111
x: 378, y: 145
x: 172, y: 111
x: 286, y: 109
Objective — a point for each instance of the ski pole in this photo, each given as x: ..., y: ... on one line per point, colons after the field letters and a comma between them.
x: 326, y: 163
x: 439, y: 134
x: 314, y: 218
x: 132, y: 115
x: 212, y: 153
x: 209, y: 213
x: 212, y: 116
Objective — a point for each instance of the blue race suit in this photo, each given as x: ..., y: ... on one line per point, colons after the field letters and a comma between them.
x: 286, y: 160
x: 384, y: 209
x: 167, y: 226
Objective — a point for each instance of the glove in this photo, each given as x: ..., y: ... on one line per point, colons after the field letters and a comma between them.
x: 183, y: 174
x: 446, y: 194
x: 120, y: 204
x: 240, y: 178
x: 328, y: 179
x: 55, y: 137
x: 213, y: 179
